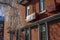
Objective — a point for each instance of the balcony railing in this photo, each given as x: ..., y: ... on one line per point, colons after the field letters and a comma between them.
x: 23, y: 2
x: 31, y: 17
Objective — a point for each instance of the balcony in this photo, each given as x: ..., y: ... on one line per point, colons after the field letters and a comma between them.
x: 30, y: 17
x: 23, y: 2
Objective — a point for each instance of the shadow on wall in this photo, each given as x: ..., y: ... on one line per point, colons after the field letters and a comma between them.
x: 57, y: 5
x: 39, y: 17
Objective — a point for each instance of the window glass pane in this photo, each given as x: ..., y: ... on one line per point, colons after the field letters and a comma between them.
x: 43, y: 28
x: 28, y: 10
x: 42, y: 5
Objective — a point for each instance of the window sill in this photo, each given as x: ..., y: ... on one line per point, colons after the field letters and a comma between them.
x: 42, y: 12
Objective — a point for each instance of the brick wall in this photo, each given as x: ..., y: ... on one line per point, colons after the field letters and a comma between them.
x: 23, y: 22
x: 54, y: 28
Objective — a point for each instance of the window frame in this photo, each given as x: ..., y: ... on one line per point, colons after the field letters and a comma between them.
x: 40, y: 31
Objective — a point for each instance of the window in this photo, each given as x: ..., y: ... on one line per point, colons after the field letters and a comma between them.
x: 42, y: 5
x: 43, y: 32
x: 27, y: 10
x: 27, y: 33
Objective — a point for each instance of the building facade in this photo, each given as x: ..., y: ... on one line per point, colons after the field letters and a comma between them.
x: 33, y: 20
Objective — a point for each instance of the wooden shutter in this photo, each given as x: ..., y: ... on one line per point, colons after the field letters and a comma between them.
x: 50, y: 5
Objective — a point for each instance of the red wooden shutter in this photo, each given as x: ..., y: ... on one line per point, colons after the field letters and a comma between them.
x: 50, y: 5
